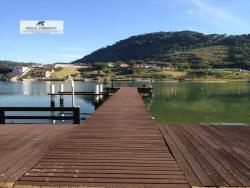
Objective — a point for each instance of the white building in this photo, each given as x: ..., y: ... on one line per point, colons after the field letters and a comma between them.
x: 19, y: 70
x: 62, y: 65
x: 48, y: 73
x: 111, y: 64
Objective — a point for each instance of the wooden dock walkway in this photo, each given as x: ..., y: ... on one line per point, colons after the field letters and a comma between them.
x: 120, y: 146
x: 211, y: 156
x: 22, y: 146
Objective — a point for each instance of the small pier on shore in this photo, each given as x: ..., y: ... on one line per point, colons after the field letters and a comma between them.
x: 120, y: 145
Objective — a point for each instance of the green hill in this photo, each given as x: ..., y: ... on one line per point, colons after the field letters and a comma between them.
x: 185, y: 48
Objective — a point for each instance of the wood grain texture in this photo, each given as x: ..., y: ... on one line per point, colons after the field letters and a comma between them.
x: 22, y: 146
x: 118, y: 146
x: 216, y: 156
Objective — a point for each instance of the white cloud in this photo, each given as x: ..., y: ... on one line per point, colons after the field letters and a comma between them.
x: 216, y: 15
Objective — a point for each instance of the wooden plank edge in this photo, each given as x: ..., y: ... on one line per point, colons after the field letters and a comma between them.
x: 193, y: 179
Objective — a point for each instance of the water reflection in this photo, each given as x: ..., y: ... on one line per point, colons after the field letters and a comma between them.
x: 28, y: 94
x: 26, y: 88
x: 194, y: 103
x: 176, y: 103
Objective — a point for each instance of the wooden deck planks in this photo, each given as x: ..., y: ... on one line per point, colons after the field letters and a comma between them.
x: 204, y: 141
x: 220, y: 151
x: 22, y: 146
x: 118, y: 145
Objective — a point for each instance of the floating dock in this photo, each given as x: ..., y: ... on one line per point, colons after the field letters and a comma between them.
x: 121, y: 146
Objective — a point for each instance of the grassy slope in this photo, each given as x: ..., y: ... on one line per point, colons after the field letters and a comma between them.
x: 212, y: 54
x: 63, y: 73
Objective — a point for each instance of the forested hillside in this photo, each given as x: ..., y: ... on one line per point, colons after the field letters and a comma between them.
x: 185, y: 49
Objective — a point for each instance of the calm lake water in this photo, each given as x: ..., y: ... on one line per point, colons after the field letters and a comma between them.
x: 175, y: 103
x: 197, y: 103
x: 35, y: 94
x: 191, y: 103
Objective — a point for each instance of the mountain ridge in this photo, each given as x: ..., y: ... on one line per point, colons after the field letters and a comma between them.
x: 183, y: 48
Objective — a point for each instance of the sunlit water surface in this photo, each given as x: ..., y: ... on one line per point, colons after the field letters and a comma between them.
x: 172, y: 102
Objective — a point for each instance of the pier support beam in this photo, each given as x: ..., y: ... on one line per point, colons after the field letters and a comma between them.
x: 112, y: 83
x: 73, y: 92
x: 52, y: 97
x: 61, y: 96
x: 61, y: 101
x: 101, y: 88
x: 97, y: 89
x: 52, y: 103
x: 76, y: 114
x: 2, y: 117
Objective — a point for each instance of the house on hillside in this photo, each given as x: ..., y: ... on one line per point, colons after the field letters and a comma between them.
x: 168, y: 67
x: 82, y: 65
x: 151, y: 66
x: 19, y: 70
x: 124, y: 65
x: 69, y: 65
x: 48, y: 73
x: 111, y: 65
x: 63, y: 65
x: 147, y: 66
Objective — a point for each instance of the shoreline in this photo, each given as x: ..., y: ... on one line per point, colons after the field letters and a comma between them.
x: 135, y: 80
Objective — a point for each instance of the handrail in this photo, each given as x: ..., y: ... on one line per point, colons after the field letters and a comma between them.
x: 75, y: 110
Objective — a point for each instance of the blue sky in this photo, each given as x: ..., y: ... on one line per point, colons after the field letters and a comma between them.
x: 92, y: 24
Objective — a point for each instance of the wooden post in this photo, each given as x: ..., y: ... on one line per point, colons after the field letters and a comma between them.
x: 151, y: 92
x: 73, y: 92
x: 112, y: 83
x: 52, y: 103
x: 52, y: 96
x: 61, y: 101
x: 2, y: 117
x: 101, y: 88
x: 76, y: 114
x: 97, y: 89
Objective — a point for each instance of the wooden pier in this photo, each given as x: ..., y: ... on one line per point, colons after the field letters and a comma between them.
x: 121, y: 146
x: 211, y: 156
x: 22, y: 146
x: 118, y: 145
